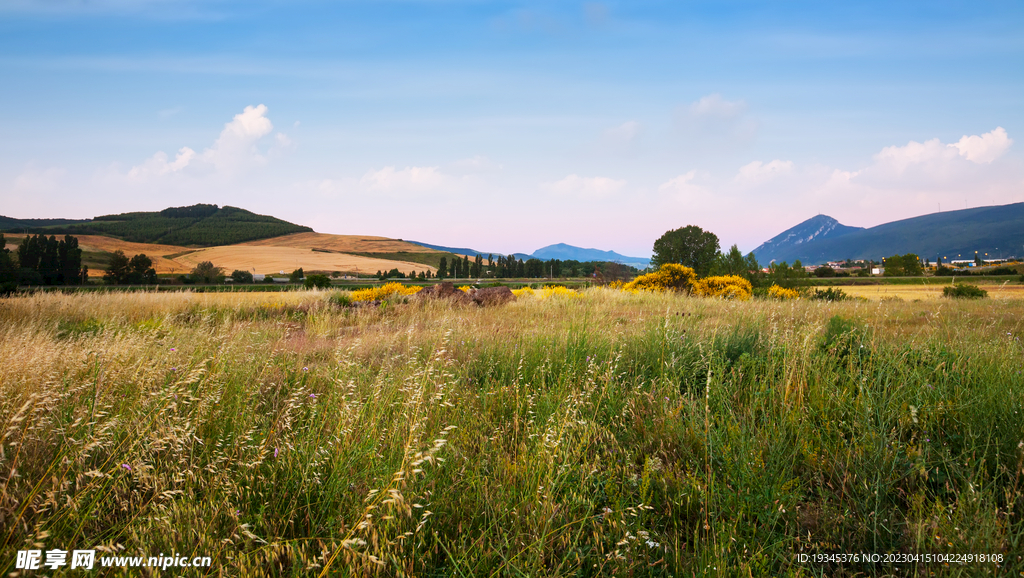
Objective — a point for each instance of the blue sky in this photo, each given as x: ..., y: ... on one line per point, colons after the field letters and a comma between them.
x: 507, y: 126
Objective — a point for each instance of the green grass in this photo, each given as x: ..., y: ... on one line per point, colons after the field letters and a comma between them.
x: 609, y: 434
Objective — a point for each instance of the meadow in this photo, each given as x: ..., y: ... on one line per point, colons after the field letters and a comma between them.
x: 604, y: 433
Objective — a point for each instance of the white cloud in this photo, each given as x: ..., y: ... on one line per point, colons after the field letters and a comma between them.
x: 234, y: 150
x: 158, y: 165
x: 713, y: 105
x: 626, y: 132
x: 410, y: 179
x: 980, y: 149
x: 758, y: 172
x: 585, y: 187
x: 713, y: 122
x: 985, y: 148
x: 622, y: 139
x: 680, y: 183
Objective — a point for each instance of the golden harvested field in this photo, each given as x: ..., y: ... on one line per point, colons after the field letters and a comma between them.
x: 927, y: 292
x: 269, y: 259
x: 342, y: 243
x: 285, y: 253
x: 109, y: 245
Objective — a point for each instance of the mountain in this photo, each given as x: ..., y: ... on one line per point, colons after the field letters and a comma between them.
x: 457, y: 250
x: 794, y: 240
x: 996, y: 230
x: 559, y: 251
x: 568, y: 252
x: 197, y: 225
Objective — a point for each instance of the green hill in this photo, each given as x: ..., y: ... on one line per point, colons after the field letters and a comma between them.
x: 20, y: 225
x: 197, y: 225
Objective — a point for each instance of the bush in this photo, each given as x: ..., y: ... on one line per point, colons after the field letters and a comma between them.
x: 943, y: 271
x: 824, y: 271
x: 1002, y: 271
x: 387, y: 291
x: 239, y: 276
x: 726, y: 286
x: 964, y: 292
x: 670, y: 277
x: 318, y: 281
x: 296, y: 276
x: 776, y: 292
x: 830, y: 294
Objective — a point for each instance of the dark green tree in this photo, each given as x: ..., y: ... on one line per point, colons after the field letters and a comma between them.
x: 442, y: 269
x: 690, y: 246
x: 318, y: 281
x: 239, y: 276
x: 732, y: 263
x: 141, y: 271
x: 118, y: 268
x: 296, y: 276
x: 206, y: 272
x: 8, y: 272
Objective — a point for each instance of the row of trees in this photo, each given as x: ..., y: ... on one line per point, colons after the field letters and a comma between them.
x: 510, y: 267
x: 42, y: 260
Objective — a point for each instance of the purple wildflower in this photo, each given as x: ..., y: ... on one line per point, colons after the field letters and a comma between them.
x: 127, y: 467
x: 275, y: 452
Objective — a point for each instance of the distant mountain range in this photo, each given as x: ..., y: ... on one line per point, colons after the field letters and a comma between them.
x: 559, y: 251
x: 996, y: 230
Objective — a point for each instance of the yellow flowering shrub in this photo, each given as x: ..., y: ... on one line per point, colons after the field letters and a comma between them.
x: 727, y: 286
x: 464, y: 288
x: 556, y: 291
x: 384, y: 291
x: 776, y: 292
x: 523, y: 292
x: 670, y: 277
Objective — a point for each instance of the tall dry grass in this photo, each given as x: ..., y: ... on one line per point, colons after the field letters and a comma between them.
x: 613, y: 433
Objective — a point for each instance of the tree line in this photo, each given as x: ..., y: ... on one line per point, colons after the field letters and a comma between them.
x: 42, y: 260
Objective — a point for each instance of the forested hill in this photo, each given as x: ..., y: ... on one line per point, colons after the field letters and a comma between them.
x: 20, y: 225
x: 197, y: 225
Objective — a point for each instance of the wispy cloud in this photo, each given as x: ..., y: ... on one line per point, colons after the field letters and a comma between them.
x: 585, y: 187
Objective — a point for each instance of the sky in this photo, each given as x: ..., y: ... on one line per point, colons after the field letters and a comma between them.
x: 508, y: 126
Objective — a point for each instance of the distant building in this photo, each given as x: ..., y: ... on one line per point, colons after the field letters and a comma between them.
x: 878, y: 270
x: 259, y: 278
